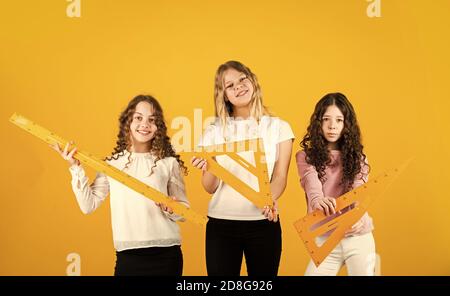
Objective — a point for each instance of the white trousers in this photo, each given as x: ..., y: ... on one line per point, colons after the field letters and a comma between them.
x: 356, y: 252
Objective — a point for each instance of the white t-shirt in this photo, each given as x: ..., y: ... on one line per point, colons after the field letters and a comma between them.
x: 136, y: 220
x: 226, y: 202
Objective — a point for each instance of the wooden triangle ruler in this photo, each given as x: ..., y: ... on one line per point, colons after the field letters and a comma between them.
x: 101, y: 166
x: 315, y: 224
x: 261, y: 197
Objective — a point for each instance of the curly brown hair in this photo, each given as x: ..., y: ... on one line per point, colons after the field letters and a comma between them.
x: 159, y: 146
x: 316, y: 146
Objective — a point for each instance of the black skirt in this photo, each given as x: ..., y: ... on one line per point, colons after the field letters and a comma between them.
x: 153, y: 261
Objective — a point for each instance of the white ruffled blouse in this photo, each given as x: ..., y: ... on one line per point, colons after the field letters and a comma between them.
x: 136, y: 220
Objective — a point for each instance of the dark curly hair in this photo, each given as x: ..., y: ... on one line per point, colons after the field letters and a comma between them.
x: 316, y: 146
x: 159, y: 146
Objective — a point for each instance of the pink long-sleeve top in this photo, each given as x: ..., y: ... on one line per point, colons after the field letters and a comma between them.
x: 331, y: 186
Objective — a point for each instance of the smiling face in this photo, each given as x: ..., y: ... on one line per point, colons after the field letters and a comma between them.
x: 332, y: 125
x: 142, y: 127
x: 238, y: 88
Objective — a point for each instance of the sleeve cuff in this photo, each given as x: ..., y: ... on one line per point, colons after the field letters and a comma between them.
x: 76, y: 171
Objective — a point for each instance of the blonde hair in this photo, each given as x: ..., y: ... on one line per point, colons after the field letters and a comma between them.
x: 224, y: 109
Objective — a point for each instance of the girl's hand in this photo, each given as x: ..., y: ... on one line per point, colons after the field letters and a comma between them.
x: 200, y: 163
x: 66, y: 154
x: 271, y: 214
x: 356, y: 229
x: 325, y: 204
x: 165, y: 208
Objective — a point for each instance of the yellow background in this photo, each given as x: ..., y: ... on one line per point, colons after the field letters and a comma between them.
x: 75, y: 75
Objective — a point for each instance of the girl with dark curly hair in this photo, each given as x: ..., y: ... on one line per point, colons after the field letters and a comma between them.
x: 146, y: 235
x: 331, y: 163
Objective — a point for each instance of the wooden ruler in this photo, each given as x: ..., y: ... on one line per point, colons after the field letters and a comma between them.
x: 358, y: 200
x: 261, y: 197
x: 101, y: 166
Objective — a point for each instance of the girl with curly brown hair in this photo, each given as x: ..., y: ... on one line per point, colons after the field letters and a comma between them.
x: 146, y: 236
x: 331, y: 163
